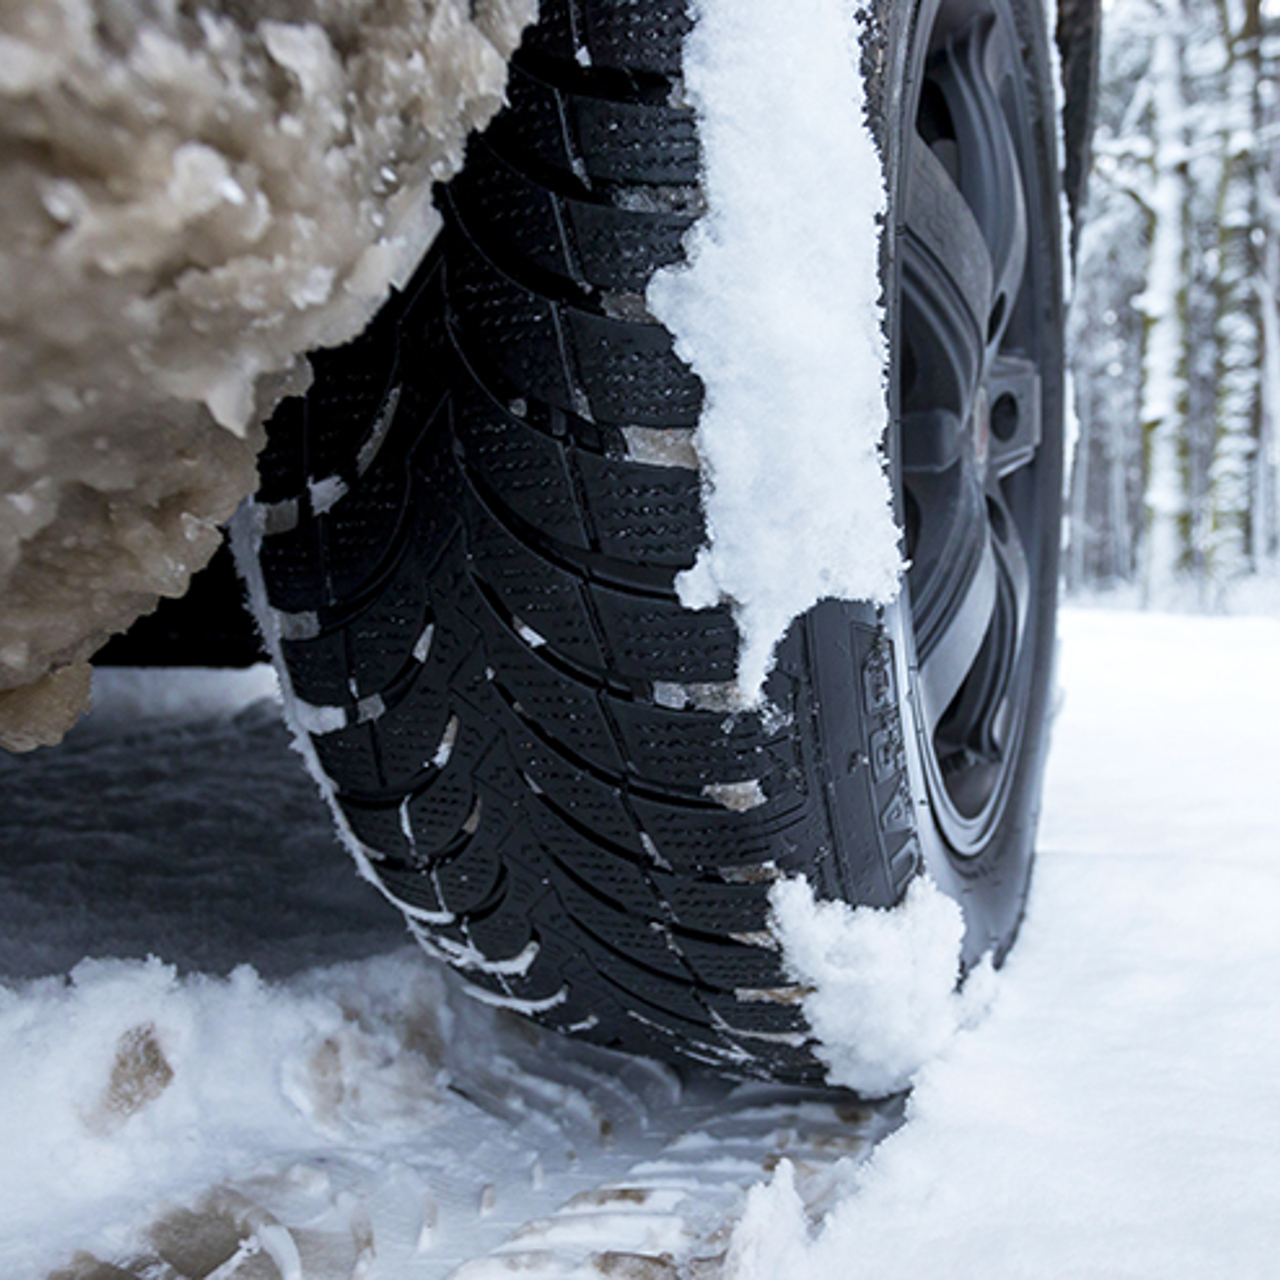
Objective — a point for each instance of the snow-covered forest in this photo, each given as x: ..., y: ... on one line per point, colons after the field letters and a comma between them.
x: 1176, y: 326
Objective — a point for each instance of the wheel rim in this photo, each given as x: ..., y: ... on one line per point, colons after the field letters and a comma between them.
x: 974, y: 340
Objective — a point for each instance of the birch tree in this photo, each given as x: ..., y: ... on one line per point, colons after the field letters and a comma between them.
x: 1190, y: 138
x: 1237, y: 384
x: 1164, y: 305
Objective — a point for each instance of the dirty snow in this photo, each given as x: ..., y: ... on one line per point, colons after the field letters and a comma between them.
x: 778, y: 311
x: 194, y: 195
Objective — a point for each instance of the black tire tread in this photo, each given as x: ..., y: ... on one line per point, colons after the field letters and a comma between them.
x: 517, y: 779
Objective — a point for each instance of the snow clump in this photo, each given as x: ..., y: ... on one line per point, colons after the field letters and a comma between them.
x: 778, y: 311
x: 882, y: 993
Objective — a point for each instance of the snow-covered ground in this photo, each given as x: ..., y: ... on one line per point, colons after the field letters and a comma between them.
x: 351, y: 1114
x: 1118, y: 1112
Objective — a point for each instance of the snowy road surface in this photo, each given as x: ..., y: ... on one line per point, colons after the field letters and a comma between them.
x: 350, y: 1114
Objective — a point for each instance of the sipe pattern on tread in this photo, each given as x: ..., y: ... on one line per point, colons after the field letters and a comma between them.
x: 469, y: 531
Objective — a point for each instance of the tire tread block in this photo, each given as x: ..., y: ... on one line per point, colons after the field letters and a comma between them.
x: 620, y: 371
x: 412, y: 732
x: 562, y: 709
x: 349, y: 387
x: 595, y: 804
x: 611, y: 875
x: 476, y: 875
x: 700, y: 840
x: 645, y: 515
x: 525, y: 469
x: 619, y: 250
x: 293, y: 569
x: 616, y: 33
x: 657, y: 640
x: 727, y: 965
x: 641, y: 939
x: 378, y: 829
x: 517, y: 330
x: 689, y: 748
x: 585, y: 140
x: 514, y: 217
x: 712, y: 908
x: 384, y: 636
x: 543, y: 596
x: 318, y: 669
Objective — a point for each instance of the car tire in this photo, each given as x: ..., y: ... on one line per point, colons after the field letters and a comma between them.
x: 464, y: 548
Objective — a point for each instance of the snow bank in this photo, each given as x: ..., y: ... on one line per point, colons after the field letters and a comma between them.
x: 881, y: 984
x: 193, y: 195
x: 773, y: 1222
x: 778, y: 311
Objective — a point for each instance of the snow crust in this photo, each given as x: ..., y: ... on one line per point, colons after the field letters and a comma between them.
x: 194, y: 195
x: 778, y: 311
x: 880, y: 985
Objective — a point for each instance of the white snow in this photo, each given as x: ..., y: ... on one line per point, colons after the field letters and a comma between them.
x: 738, y: 796
x: 1118, y: 1111
x: 126, y: 1085
x: 326, y: 493
x: 447, y: 739
x: 880, y: 984
x: 778, y: 311
x: 319, y: 720
x: 423, y: 645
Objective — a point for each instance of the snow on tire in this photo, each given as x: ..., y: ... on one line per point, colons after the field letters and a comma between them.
x: 466, y: 544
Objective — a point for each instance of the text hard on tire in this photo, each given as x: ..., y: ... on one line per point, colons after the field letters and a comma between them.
x: 471, y: 525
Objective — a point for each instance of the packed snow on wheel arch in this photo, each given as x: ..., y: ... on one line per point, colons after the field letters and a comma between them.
x: 580, y: 565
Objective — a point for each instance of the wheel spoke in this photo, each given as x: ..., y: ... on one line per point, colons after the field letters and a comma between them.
x: 974, y: 728
x: 970, y: 73
x: 945, y: 668
x: 1011, y: 554
x: 933, y: 440
x: 951, y: 562
x: 946, y: 284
